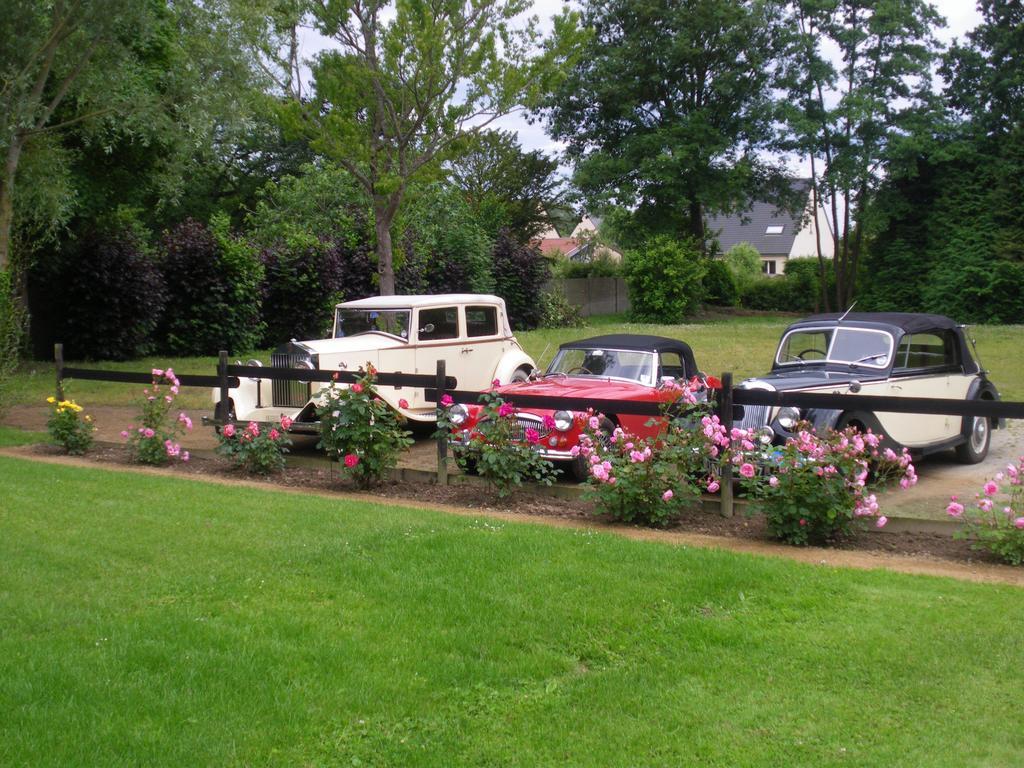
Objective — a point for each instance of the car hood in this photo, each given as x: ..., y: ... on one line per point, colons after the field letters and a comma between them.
x: 559, y: 386
x: 810, y: 379
x: 350, y: 345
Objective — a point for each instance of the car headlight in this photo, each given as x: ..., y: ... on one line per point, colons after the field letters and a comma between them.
x: 764, y: 436
x: 458, y: 414
x: 563, y: 420
x: 788, y: 417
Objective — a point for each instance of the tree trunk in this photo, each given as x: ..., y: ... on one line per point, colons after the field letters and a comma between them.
x: 7, y: 199
x: 385, y: 264
x: 697, y: 224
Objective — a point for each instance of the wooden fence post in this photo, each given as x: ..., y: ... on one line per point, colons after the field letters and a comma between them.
x: 725, y: 416
x: 442, y: 439
x: 58, y: 358
x: 224, y: 405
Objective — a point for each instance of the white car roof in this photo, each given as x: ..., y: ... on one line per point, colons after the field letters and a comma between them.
x: 399, y: 302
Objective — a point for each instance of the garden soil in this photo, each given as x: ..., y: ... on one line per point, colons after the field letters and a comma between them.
x: 904, y: 551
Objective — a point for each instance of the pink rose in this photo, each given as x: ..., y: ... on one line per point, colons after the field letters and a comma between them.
x: 990, y: 488
x: 880, y: 523
x: 802, y: 521
x: 185, y: 456
x: 549, y: 422
x: 1018, y: 523
x: 403, y: 403
x: 147, y: 432
x: 773, y: 481
x: 274, y: 434
x: 667, y: 495
x: 351, y: 460
x: 747, y: 470
x: 357, y: 388
x: 157, y: 373
x: 506, y: 409
x: 713, y: 486
x: 495, y: 384
x: 446, y: 400
x: 253, y: 429
x: 286, y: 423
x: 595, y: 423
x: 574, y: 451
x: 532, y: 436
x: 228, y: 430
x: 124, y: 435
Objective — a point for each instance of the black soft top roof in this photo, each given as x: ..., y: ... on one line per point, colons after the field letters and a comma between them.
x: 908, y: 322
x: 901, y: 323
x: 640, y: 342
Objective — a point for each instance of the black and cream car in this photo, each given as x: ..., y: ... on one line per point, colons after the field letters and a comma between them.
x: 878, y: 354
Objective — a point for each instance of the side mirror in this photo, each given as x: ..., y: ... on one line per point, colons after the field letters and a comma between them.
x: 428, y: 328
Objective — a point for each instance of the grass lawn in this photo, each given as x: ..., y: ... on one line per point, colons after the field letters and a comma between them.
x: 9, y: 436
x: 155, y: 621
x: 743, y: 345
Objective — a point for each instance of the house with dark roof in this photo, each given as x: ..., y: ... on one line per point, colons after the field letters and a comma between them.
x: 778, y: 235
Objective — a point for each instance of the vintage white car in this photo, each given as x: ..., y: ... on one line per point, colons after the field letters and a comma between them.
x: 395, y: 334
x: 892, y: 354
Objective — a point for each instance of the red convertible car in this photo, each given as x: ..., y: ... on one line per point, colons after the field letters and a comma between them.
x: 648, y: 369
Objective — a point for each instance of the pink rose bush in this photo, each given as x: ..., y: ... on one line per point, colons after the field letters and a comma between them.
x: 815, y: 487
x: 360, y: 431
x: 995, y: 520
x: 501, y: 451
x: 651, y: 480
x: 257, y: 450
x: 155, y: 439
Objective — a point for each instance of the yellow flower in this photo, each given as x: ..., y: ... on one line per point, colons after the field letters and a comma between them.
x: 51, y: 399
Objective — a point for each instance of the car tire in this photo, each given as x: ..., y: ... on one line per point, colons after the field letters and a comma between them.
x: 579, y: 467
x: 519, y: 375
x: 974, y: 449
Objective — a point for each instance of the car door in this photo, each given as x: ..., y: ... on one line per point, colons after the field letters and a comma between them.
x: 484, y: 347
x: 439, y: 336
x: 922, y: 369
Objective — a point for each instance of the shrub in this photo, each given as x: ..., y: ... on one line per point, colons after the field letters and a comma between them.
x: 992, y: 522
x: 303, y: 278
x: 12, y: 328
x: 102, y: 296
x: 719, y: 285
x: 154, y: 440
x: 498, y: 452
x: 556, y: 311
x: 744, y: 262
x: 601, y: 266
x: 360, y: 430
x: 816, y: 486
x: 647, y: 480
x: 771, y: 294
x: 520, y: 272
x: 665, y: 279
x: 68, y: 427
x: 213, y: 281
x: 258, y: 451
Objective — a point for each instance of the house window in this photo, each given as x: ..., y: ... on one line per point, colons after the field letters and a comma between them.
x: 768, y: 266
x: 774, y: 229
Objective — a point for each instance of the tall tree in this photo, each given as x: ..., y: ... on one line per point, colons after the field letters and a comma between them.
x: 506, y: 187
x: 405, y: 82
x: 158, y: 79
x: 859, y: 83
x: 669, y: 106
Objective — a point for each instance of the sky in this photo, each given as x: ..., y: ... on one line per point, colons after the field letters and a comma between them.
x: 961, y: 16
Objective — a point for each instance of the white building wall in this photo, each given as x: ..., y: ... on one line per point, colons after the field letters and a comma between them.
x: 805, y: 243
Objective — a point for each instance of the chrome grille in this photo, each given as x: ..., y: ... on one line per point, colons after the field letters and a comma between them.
x: 524, y: 422
x: 288, y: 394
x: 754, y: 416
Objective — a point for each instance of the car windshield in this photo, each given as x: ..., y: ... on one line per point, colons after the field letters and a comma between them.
x: 845, y: 346
x: 604, y: 363
x: 352, y: 322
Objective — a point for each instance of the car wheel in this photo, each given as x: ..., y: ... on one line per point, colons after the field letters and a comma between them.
x: 520, y: 374
x: 580, y: 467
x: 975, y: 448
x: 232, y: 417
